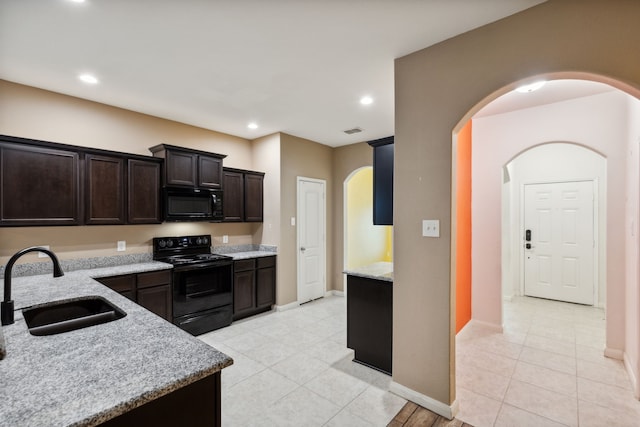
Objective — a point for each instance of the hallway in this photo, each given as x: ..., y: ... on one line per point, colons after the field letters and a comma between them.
x: 546, y: 369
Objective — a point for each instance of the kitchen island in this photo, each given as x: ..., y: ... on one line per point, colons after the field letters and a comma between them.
x: 370, y: 314
x: 137, y: 370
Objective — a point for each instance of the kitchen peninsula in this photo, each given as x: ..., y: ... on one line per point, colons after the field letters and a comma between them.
x: 137, y: 370
x: 370, y: 314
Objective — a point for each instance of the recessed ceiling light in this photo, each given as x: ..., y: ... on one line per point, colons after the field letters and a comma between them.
x: 366, y: 100
x: 88, y: 78
x: 77, y: 1
x: 530, y: 87
x: 252, y: 125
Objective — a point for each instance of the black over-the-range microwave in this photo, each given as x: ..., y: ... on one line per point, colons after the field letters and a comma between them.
x: 192, y: 204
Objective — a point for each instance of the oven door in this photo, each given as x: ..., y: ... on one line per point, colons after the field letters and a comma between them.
x: 202, y: 287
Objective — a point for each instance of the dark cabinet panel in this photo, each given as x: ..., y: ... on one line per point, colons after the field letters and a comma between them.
x: 104, y: 190
x: 181, y: 168
x: 370, y: 321
x: 39, y: 186
x: 243, y: 195
x: 254, y: 286
x: 143, y: 192
x: 383, y: 154
x: 243, y: 292
x: 253, y: 197
x: 210, y: 172
x: 156, y: 300
x: 266, y: 287
x: 190, y: 168
x: 151, y: 290
x: 233, y: 196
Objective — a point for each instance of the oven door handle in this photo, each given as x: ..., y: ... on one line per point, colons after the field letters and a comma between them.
x: 201, y: 294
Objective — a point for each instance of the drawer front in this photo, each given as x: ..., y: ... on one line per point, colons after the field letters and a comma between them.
x: 126, y: 283
x: 154, y: 278
x: 244, y: 264
x: 268, y: 261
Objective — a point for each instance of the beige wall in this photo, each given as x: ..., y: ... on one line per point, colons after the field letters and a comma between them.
x: 300, y: 157
x: 34, y: 113
x: 346, y: 160
x: 437, y: 90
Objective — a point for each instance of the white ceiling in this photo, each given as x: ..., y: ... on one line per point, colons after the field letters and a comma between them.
x: 295, y: 66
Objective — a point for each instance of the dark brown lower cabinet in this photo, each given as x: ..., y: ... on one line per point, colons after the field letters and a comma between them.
x: 151, y: 290
x: 254, y: 286
x: 370, y: 321
x: 195, y: 405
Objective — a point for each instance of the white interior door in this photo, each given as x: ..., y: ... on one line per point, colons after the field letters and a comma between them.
x: 311, y: 239
x: 558, y: 235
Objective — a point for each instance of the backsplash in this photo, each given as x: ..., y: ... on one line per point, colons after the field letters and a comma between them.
x: 36, y: 268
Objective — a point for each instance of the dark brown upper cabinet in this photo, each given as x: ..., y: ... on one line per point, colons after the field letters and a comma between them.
x: 143, y: 192
x: 382, y: 181
x: 46, y: 183
x: 185, y: 167
x: 243, y: 195
x: 38, y: 185
x: 104, y: 190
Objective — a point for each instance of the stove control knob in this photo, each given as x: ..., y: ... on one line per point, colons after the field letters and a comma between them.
x: 162, y: 243
x: 205, y: 240
x: 169, y: 243
x: 199, y: 241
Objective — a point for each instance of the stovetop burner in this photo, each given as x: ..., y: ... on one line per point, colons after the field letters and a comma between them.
x: 185, y: 250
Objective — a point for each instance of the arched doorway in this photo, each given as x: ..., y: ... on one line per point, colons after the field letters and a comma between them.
x: 364, y: 243
x: 595, y: 130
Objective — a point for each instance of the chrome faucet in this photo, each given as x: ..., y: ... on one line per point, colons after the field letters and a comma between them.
x: 6, y: 306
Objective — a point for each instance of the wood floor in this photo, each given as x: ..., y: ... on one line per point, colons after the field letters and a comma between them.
x: 412, y: 415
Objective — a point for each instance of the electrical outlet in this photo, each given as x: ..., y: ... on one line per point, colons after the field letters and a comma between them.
x: 431, y: 228
x: 43, y: 255
x: 122, y: 245
x: 225, y: 239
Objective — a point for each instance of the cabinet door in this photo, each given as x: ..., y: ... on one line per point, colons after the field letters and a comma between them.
x: 266, y: 287
x: 125, y: 285
x: 181, y: 168
x: 233, y: 196
x: 253, y: 197
x: 156, y: 300
x: 383, y: 185
x: 244, y: 295
x: 104, y: 190
x: 143, y: 204
x: 39, y: 186
x: 209, y: 172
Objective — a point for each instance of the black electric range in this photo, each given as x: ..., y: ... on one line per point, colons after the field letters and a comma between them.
x: 202, y: 283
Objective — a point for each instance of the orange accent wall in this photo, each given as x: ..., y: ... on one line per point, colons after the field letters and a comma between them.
x: 463, y: 227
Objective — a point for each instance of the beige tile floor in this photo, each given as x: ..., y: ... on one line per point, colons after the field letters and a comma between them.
x: 546, y: 369
x: 293, y: 368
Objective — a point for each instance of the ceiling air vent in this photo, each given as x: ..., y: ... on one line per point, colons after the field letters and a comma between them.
x: 352, y: 131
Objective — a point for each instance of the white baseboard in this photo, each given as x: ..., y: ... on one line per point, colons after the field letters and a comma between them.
x: 614, y: 353
x: 507, y: 298
x: 632, y: 376
x: 334, y: 293
x: 433, y: 405
x: 289, y: 306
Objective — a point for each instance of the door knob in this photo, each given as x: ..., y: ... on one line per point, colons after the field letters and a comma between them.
x: 302, y: 248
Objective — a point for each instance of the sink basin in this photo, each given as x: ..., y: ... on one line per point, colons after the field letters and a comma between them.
x: 69, y: 315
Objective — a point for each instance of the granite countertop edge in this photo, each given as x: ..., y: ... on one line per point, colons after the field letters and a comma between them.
x: 378, y: 271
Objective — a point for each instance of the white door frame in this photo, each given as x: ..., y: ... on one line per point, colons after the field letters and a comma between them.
x: 596, y: 233
x: 323, y: 261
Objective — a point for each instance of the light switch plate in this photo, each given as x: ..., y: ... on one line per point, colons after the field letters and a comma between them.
x: 431, y: 228
x: 122, y: 245
x: 293, y: 221
x: 225, y: 239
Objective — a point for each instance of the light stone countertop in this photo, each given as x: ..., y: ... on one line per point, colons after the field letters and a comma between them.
x: 249, y: 254
x: 246, y: 251
x: 378, y: 271
x: 90, y: 375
